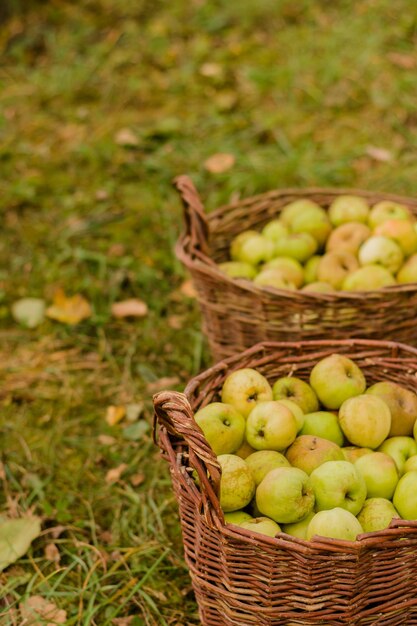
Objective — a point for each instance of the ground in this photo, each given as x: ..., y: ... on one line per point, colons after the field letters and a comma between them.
x: 102, y: 103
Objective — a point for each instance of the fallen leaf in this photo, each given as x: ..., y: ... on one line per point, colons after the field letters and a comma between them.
x: 123, y: 621
x: 136, y: 431
x: 2, y: 471
x: 126, y: 137
x: 16, y: 535
x: 36, y: 611
x: 219, y: 163
x: 405, y: 61
x: 211, y: 70
x: 52, y: 553
x: 187, y: 289
x: 163, y: 383
x: 176, y: 321
x: 113, y: 475
x: 29, y: 312
x: 133, y: 411
x: 379, y: 154
x: 116, y: 250
x: 69, y: 309
x: 129, y: 308
x: 102, y: 194
x: 115, y: 414
x: 137, y: 479
x: 106, y: 440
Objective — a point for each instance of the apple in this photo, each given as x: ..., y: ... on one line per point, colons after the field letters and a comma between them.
x: 275, y: 230
x: 408, y: 272
x: 336, y: 523
x: 296, y: 208
x: 296, y: 390
x: 405, y: 496
x: 376, y: 514
x: 323, y: 424
x: 295, y: 410
x: 275, y: 278
x: 285, y: 495
x: 262, y: 525
x: 223, y: 427
x: 318, y: 287
x: 315, y: 222
x: 263, y: 461
x: 245, y: 450
x: 335, y: 266
x: 237, y: 269
x: 299, y: 246
x: 298, y: 529
x: 348, y: 208
x: 410, y: 464
x: 237, y: 517
x: 310, y: 269
x: 270, y: 426
x: 335, y: 379
x: 352, y: 453
x: 349, y: 237
x: 291, y: 269
x: 365, y: 420
x: 379, y: 250
x: 400, y: 449
x: 387, y: 210
x: 237, y: 485
x: 401, y: 402
x: 244, y: 388
x: 402, y: 232
x: 369, y: 278
x: 251, y: 247
x: 308, y: 452
x: 380, y: 474
x: 338, y: 484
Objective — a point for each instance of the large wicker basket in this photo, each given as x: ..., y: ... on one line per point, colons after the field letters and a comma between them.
x: 242, y: 578
x: 238, y: 314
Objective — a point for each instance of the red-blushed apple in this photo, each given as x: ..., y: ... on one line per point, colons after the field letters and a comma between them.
x: 376, y: 514
x: 408, y: 272
x: 401, y: 231
x: 379, y: 250
x: 338, y: 484
x: 237, y: 517
x: 308, y: 452
x: 368, y: 278
x: 352, y: 453
x: 299, y: 246
x: 380, y: 474
x: 291, y: 269
x: 323, y: 424
x: 263, y: 461
x: 387, y: 210
x: 285, y: 495
x: 349, y: 237
x: 223, y: 427
x: 244, y: 388
x: 275, y: 230
x: 335, y: 266
x: 405, y: 496
x: 400, y: 449
x: 335, y: 379
x: 296, y: 410
x: 336, y: 523
x: 296, y: 390
x: 310, y: 269
x: 402, y: 403
x: 272, y: 277
x: 237, y: 485
x: 237, y: 269
x: 262, y: 526
x: 271, y: 426
x: 251, y: 247
x: 365, y: 420
x: 298, y: 529
x: 348, y: 208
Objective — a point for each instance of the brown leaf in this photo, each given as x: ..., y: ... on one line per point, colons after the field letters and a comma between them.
x: 114, y: 474
x: 137, y: 479
x: 405, y: 61
x: 211, y: 70
x: 69, y: 309
x: 126, y: 137
x: 36, y: 611
x: 219, y: 163
x: 106, y: 440
x: 163, y: 383
x: 52, y: 553
x: 379, y: 154
x: 187, y: 289
x: 129, y: 308
x: 123, y: 621
x: 115, y: 414
x: 176, y: 321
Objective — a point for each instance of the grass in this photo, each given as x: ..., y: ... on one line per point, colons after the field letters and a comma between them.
x: 301, y: 94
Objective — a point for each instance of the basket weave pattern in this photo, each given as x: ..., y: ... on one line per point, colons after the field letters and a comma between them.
x: 238, y: 314
x: 242, y: 578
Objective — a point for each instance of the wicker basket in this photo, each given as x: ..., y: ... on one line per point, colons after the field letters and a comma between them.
x: 238, y: 314
x: 242, y: 578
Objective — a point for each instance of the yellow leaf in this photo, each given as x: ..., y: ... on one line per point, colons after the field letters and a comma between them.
x: 115, y: 414
x: 129, y: 308
x: 69, y: 309
x: 219, y: 163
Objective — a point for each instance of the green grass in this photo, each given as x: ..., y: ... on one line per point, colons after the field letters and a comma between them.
x: 297, y: 92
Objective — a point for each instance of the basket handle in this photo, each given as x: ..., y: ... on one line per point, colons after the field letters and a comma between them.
x: 175, y: 417
x: 196, y: 224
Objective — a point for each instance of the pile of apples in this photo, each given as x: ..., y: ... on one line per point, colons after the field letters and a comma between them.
x: 332, y: 457
x: 350, y: 247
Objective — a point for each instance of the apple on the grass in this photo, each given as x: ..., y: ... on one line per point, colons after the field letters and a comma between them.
x: 379, y: 250
x: 335, y: 379
x: 405, y: 496
x: 223, y: 427
x: 376, y: 514
x: 237, y: 486
x: 387, y: 210
x: 348, y: 208
x: 244, y: 388
x: 400, y: 449
x: 285, y: 495
x: 353, y: 453
x: 261, y: 525
x: 237, y: 517
x: 335, y: 266
x: 338, y: 484
x: 296, y: 390
x: 273, y: 277
x: 349, y: 237
x: 369, y: 278
x: 336, y: 523
x: 299, y: 246
x: 308, y: 452
x: 323, y: 424
x: 291, y: 269
x: 365, y: 420
x: 238, y: 269
x: 263, y: 461
x: 251, y: 247
x: 380, y: 474
x: 408, y: 272
x: 402, y: 403
x: 298, y: 529
x: 275, y: 230
x: 403, y: 232
x: 271, y: 426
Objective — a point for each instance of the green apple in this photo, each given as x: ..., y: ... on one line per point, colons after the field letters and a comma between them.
x: 365, y: 420
x: 369, y: 278
x: 352, y: 453
x: 271, y: 426
x: 308, y: 452
x: 296, y: 390
x: 348, y: 208
x: 223, y: 427
x: 298, y: 529
x: 273, y: 277
x: 310, y: 269
x: 285, y: 495
x: 410, y: 464
x: 336, y: 523
x: 318, y: 287
x: 379, y: 250
x: 244, y: 388
x: 296, y: 208
x: 335, y: 266
x: 291, y: 269
x: 245, y: 450
x: 237, y: 517
x: 400, y: 449
x: 323, y: 424
x: 261, y: 525
x: 405, y: 496
x: 380, y: 474
x: 408, y: 272
x: 296, y: 410
x: 401, y: 402
x: 299, y: 246
x: 251, y: 247
x: 338, y: 484
x: 314, y: 222
x: 349, y: 237
x: 387, y: 210
x: 335, y: 379
x: 376, y: 514
x: 237, y: 485
x: 275, y: 230
x: 263, y: 461
x: 237, y: 269
x: 401, y: 231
